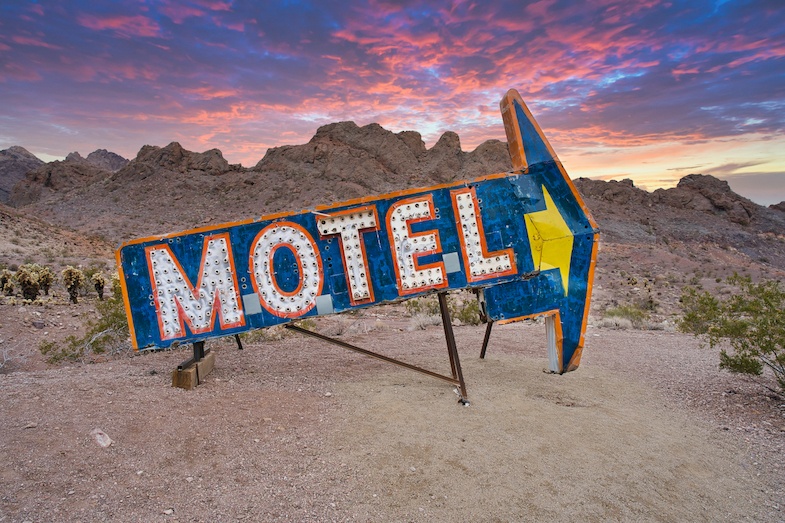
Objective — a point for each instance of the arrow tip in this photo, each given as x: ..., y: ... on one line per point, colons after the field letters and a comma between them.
x: 526, y: 141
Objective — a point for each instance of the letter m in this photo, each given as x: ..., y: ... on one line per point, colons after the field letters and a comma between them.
x: 179, y: 303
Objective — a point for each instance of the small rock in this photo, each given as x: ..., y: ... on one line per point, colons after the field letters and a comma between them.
x: 169, y: 511
x: 38, y: 324
x: 189, y: 479
x: 413, y: 469
x: 328, y: 394
x: 31, y: 425
x: 101, y: 438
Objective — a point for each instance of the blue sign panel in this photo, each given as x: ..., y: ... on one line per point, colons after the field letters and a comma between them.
x: 524, y: 237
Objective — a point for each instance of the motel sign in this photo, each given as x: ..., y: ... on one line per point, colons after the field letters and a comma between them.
x: 523, y: 239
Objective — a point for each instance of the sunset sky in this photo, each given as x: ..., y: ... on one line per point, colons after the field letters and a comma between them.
x: 649, y: 90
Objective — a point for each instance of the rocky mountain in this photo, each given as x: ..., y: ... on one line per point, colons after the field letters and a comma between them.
x: 15, y: 162
x: 101, y: 158
x: 28, y: 179
x: 55, y: 177
x: 106, y: 160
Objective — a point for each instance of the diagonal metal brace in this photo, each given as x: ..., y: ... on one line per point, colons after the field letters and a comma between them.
x: 455, y: 364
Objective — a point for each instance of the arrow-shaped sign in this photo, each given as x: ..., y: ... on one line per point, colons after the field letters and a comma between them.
x: 524, y: 238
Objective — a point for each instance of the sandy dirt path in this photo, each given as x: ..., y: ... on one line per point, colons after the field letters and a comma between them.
x: 292, y: 430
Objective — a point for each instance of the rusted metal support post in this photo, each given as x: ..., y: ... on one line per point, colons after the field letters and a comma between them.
x: 485, y: 340
x: 455, y: 362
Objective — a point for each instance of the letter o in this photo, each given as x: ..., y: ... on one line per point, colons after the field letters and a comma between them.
x: 309, y: 263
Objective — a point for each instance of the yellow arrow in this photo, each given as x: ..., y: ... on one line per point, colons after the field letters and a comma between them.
x: 550, y: 239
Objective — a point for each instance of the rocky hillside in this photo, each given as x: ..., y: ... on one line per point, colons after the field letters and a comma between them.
x: 698, y: 233
x: 15, y: 162
x: 26, y: 238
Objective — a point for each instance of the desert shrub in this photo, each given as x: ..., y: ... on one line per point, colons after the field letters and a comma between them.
x: 8, y: 355
x: 87, y: 286
x: 307, y: 323
x: 634, y: 314
x: 107, y: 332
x: 422, y: 321
x: 7, y: 282
x: 467, y: 312
x: 752, y: 321
x: 34, y: 278
x: 274, y: 333
x: 614, y: 322
x: 73, y: 278
x: 27, y: 278
x: 46, y: 277
x: 427, y: 305
x: 99, y: 282
x: 461, y: 306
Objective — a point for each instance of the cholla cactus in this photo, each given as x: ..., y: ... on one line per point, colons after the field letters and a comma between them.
x: 99, y: 282
x: 27, y: 277
x: 117, y: 289
x: 46, y: 277
x: 6, y: 282
x: 72, y: 279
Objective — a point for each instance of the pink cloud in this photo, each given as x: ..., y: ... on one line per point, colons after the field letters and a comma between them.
x: 235, y: 26
x: 179, y: 13
x: 211, y: 93
x: 36, y: 42
x: 126, y: 25
x: 17, y: 72
x: 215, y: 5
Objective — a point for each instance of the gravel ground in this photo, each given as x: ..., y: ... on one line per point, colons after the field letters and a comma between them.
x: 647, y: 429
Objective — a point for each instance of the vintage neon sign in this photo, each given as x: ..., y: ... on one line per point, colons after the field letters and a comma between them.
x: 524, y: 238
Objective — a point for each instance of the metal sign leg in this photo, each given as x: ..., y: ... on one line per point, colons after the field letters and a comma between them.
x: 455, y: 362
x: 487, y: 338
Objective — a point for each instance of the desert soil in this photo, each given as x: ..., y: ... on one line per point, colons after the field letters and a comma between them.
x: 647, y: 429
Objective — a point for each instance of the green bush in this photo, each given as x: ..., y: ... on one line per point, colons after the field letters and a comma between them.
x: 468, y: 312
x: 427, y: 305
x: 752, y: 321
x: 636, y: 315
x: 464, y: 308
